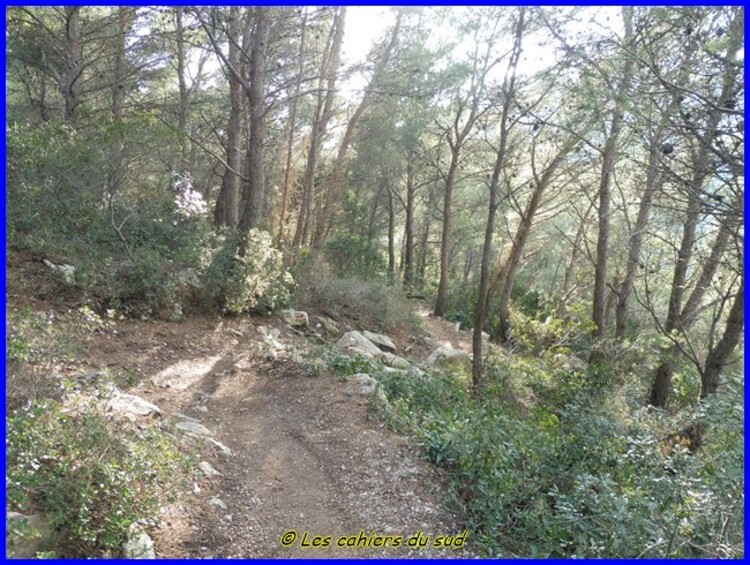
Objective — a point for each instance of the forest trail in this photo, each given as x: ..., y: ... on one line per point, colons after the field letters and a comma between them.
x: 307, y: 453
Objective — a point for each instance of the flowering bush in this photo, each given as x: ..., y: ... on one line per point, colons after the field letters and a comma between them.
x: 188, y: 202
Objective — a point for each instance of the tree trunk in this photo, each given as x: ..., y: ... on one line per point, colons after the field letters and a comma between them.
x: 228, y: 202
x: 74, y: 63
x: 391, y: 236
x: 480, y: 309
x: 654, y: 180
x: 608, y: 162
x: 719, y: 355
x: 442, y: 294
x: 519, y: 243
x: 184, y: 100
x: 409, y: 226
x: 323, y: 114
x: 661, y: 385
x: 292, y: 126
x: 254, y: 195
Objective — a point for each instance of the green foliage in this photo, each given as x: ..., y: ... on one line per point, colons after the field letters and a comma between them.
x: 569, y: 475
x: 460, y: 304
x: 345, y: 365
x: 353, y: 256
x: 548, y: 331
x: 249, y: 280
x: 69, y: 463
x: 372, y: 304
x: 34, y: 348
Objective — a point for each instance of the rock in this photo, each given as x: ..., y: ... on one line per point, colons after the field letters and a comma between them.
x: 415, y: 372
x: 270, y: 347
x: 139, y: 544
x: 186, y: 418
x: 193, y: 429
x: 393, y: 370
x: 380, y: 399
x: 394, y: 360
x: 570, y: 363
x: 295, y: 318
x: 25, y: 536
x: 330, y: 326
x: 382, y: 341
x: 67, y: 271
x: 132, y: 404
x: 367, y: 384
x: 208, y: 469
x: 444, y: 356
x: 223, y: 449
x: 458, y: 326
x: 357, y: 344
x: 216, y: 501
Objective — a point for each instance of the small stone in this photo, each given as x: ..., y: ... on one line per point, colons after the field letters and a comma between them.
x: 208, y: 469
x: 216, y: 501
x: 223, y: 449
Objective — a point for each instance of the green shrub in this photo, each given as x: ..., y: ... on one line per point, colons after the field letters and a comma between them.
x: 460, y: 304
x: 570, y: 477
x: 93, y: 483
x: 353, y: 256
x: 253, y: 281
x: 372, y: 304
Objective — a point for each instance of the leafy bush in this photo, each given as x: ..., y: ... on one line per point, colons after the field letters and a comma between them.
x: 353, y: 256
x: 253, y: 281
x: 68, y: 463
x: 34, y: 348
x: 579, y: 480
x: 460, y: 304
x: 372, y: 304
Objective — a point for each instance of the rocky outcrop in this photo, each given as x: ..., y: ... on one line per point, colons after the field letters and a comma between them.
x: 139, y: 544
x: 131, y: 406
x: 355, y: 343
x: 366, y: 383
x: 295, y: 318
x: 25, y: 536
x: 382, y: 341
x: 445, y: 356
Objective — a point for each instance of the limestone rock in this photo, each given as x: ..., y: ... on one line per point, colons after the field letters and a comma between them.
x: 271, y: 347
x: 139, y: 544
x: 193, y: 429
x: 132, y: 404
x: 223, y: 449
x: 26, y: 535
x: 382, y: 341
x: 394, y: 360
x: 208, y: 469
x: 444, y: 356
x: 354, y: 343
x: 295, y: 318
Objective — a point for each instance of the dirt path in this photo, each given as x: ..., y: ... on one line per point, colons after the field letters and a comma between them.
x: 308, y: 453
